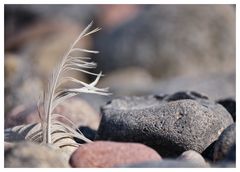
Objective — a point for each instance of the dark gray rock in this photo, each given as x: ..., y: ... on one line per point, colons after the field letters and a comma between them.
x: 230, y: 105
x: 229, y: 161
x: 224, y: 143
x: 167, y: 163
x: 185, y: 95
x: 172, y: 40
x: 208, y: 152
x: 231, y: 156
x: 164, y: 123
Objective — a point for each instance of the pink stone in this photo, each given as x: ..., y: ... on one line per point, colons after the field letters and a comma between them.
x: 111, y: 154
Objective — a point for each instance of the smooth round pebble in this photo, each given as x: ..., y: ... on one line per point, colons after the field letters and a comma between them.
x: 223, y: 145
x: 193, y: 156
x: 110, y: 154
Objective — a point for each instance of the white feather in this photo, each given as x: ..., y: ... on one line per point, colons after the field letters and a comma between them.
x: 51, y: 130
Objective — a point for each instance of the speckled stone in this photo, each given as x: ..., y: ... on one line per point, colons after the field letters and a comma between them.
x: 171, y: 124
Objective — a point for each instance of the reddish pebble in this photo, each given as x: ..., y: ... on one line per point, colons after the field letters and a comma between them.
x: 111, y: 154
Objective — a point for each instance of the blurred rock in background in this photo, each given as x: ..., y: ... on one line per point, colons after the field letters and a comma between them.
x: 169, y: 40
x: 181, y: 46
x: 36, y: 38
x: 144, y: 49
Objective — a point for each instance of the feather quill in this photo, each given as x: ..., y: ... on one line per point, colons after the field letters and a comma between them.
x: 51, y: 130
x: 55, y: 94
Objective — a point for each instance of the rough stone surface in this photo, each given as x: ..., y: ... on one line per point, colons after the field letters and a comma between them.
x: 171, y: 124
x: 29, y: 155
x: 230, y: 105
x: 194, y: 157
x: 167, y: 163
x: 223, y: 145
x: 110, y: 154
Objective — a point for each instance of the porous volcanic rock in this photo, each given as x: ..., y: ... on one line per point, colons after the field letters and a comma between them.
x: 171, y: 124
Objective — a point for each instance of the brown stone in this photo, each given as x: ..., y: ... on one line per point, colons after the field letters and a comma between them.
x: 29, y: 155
x: 112, y: 154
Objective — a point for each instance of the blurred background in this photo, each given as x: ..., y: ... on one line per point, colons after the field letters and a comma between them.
x: 144, y: 49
